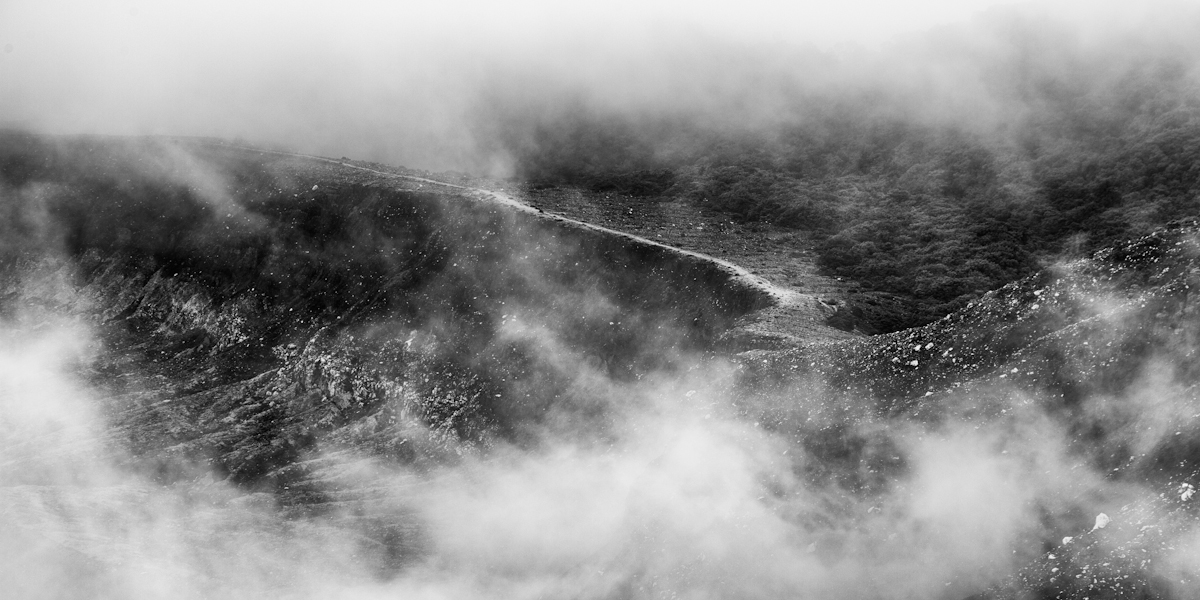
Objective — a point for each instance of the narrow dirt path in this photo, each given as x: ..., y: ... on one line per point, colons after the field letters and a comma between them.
x: 795, y: 317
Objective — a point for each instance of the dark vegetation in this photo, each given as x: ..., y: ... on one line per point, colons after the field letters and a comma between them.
x: 1091, y: 145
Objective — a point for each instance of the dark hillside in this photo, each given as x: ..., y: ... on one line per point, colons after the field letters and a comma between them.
x: 304, y: 303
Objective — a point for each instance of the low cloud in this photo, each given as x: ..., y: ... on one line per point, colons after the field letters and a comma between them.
x: 422, y: 84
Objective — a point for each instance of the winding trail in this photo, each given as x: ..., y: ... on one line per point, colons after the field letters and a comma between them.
x: 793, y: 316
x: 779, y: 295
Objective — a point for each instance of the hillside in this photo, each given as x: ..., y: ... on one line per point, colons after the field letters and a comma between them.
x: 999, y: 150
x: 243, y: 373
x: 1090, y: 364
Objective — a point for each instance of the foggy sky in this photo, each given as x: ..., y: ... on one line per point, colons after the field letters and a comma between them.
x: 404, y: 82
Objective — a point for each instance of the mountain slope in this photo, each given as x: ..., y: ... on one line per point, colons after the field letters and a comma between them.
x: 353, y: 381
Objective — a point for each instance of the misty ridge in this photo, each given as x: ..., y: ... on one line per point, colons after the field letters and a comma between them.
x: 228, y: 370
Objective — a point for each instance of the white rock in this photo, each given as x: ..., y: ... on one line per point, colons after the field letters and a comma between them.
x: 1102, y: 520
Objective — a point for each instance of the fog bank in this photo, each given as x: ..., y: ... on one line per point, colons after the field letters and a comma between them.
x: 423, y: 84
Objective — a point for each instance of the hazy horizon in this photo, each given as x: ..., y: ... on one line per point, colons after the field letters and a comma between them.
x: 416, y: 83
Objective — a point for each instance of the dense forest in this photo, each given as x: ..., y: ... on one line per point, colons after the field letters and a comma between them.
x: 924, y: 192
